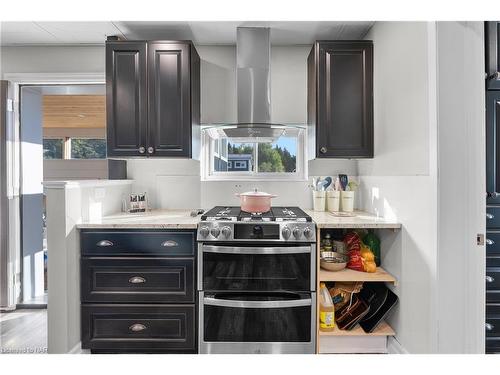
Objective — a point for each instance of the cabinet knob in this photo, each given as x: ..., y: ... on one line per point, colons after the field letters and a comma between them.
x: 489, y: 326
x: 495, y: 76
x: 137, y: 327
x: 105, y: 243
x: 142, y: 150
x: 151, y: 150
x: 489, y: 216
x: 169, y: 243
x: 137, y: 280
x: 323, y: 150
x: 489, y: 279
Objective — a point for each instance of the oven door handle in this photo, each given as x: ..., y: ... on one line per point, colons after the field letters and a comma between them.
x: 256, y: 250
x: 256, y: 304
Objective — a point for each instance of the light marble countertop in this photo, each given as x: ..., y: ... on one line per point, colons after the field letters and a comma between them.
x: 181, y: 219
x: 154, y: 219
x: 325, y: 219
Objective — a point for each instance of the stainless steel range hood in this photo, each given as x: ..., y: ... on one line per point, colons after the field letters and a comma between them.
x: 253, y: 81
x: 253, y: 69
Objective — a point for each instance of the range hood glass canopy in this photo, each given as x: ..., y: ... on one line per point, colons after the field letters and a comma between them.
x: 252, y: 133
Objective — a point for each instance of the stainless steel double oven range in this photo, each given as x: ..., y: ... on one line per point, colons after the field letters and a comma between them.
x: 257, y: 281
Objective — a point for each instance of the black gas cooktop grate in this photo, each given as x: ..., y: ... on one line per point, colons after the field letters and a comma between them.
x: 232, y: 213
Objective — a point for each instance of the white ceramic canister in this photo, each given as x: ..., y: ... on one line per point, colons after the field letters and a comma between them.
x: 333, y: 200
x: 347, y: 201
x: 319, y: 198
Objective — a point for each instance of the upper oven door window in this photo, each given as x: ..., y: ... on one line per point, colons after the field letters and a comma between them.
x: 256, y: 268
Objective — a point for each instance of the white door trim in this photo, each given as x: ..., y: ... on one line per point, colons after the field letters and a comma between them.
x: 17, y: 80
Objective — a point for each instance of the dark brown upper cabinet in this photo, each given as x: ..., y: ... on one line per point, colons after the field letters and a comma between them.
x: 492, y: 33
x: 340, y: 99
x: 126, y: 98
x: 153, y: 98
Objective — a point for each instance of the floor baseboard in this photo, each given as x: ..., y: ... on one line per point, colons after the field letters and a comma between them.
x: 394, y: 346
x: 77, y: 349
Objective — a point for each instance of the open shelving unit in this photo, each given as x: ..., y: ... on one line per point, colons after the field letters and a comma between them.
x: 355, y: 340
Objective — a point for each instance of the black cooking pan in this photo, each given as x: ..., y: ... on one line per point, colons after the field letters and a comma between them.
x: 381, y: 301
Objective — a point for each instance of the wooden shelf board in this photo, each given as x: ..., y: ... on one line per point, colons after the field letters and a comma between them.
x: 383, y: 329
x: 350, y: 275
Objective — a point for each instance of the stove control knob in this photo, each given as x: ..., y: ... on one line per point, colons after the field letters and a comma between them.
x: 215, y: 232
x: 296, y: 232
x: 226, y: 231
x: 204, y: 231
x: 286, y: 232
x: 308, y: 232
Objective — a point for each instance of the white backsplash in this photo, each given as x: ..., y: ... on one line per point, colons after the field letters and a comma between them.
x: 175, y: 183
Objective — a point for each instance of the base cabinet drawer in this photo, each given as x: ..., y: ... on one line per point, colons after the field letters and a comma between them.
x: 137, y: 243
x: 139, y: 328
x: 137, y: 280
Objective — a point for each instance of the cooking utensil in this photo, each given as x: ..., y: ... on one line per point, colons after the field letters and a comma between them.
x: 255, y: 201
x: 321, y: 185
x: 343, y: 181
x: 328, y: 182
x: 333, y: 261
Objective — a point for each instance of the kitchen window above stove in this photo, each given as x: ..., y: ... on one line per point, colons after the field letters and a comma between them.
x: 234, y: 154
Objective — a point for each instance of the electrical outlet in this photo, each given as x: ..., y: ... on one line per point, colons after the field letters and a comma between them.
x: 99, y: 193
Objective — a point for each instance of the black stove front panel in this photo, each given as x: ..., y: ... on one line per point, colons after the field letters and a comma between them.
x: 231, y: 231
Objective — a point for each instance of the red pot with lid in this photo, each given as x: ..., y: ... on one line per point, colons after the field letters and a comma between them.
x: 255, y: 201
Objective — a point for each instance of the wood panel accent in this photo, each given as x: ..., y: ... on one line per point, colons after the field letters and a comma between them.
x: 351, y: 275
x: 383, y: 329
x: 74, y: 111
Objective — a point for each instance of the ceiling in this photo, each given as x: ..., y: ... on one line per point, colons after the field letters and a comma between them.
x: 67, y: 33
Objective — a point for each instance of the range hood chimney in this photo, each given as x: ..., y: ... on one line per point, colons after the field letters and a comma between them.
x: 253, y: 56
x: 253, y: 81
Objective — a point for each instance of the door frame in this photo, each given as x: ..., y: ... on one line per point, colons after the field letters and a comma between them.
x: 17, y: 80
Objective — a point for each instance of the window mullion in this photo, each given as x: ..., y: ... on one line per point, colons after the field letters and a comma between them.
x: 67, y: 148
x: 256, y: 158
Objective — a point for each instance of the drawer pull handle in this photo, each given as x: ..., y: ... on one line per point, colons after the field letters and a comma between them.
x: 489, y: 216
x: 137, y: 327
x: 489, y: 279
x: 137, y: 280
x: 105, y: 243
x: 489, y: 242
x: 169, y: 243
x: 489, y: 326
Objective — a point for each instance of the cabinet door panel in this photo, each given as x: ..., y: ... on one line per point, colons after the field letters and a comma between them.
x: 492, y: 34
x: 169, y: 93
x: 136, y: 328
x: 492, y: 142
x: 143, y: 280
x: 345, y: 108
x: 126, y: 97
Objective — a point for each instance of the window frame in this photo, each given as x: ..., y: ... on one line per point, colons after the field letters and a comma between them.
x: 66, y: 148
x: 63, y: 139
x: 68, y: 144
x: 207, y: 164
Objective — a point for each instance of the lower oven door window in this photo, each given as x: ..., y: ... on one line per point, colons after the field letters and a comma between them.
x: 257, y: 268
x: 269, y: 317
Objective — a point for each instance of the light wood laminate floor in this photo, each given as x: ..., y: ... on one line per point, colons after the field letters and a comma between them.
x: 23, y: 331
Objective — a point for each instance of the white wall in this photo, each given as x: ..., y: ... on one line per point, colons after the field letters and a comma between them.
x: 46, y: 59
x: 461, y: 187
x: 400, y: 182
